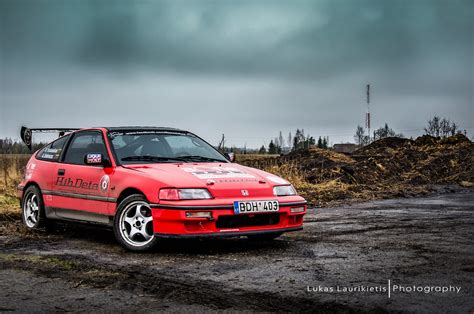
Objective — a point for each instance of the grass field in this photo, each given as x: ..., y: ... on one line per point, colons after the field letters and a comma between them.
x: 11, y: 171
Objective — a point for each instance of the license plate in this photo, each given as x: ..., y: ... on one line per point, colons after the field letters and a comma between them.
x: 250, y: 207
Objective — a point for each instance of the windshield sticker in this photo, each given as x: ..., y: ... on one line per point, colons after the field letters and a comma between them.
x: 216, y: 172
x: 145, y: 132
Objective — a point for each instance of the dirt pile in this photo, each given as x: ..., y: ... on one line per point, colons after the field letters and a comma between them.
x: 426, y: 160
x: 386, y: 168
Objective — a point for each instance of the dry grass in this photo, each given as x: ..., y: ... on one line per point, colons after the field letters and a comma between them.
x: 244, y: 157
x: 288, y: 171
x: 9, y: 207
x: 11, y: 171
x: 316, y: 193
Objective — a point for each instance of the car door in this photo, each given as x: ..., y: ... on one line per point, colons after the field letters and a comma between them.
x: 81, y: 189
x: 47, y: 160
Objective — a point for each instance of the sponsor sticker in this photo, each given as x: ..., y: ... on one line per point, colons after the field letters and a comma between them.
x: 27, y: 137
x: 104, y: 183
x: 216, y: 172
x: 51, y: 153
x: 94, y: 158
x: 76, y: 183
x: 30, y: 168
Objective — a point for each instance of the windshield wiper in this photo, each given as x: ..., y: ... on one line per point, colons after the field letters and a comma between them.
x: 201, y: 158
x: 152, y: 158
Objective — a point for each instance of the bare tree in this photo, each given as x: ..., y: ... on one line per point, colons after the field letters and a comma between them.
x: 384, y: 132
x: 445, y: 127
x: 434, y: 126
x: 454, y: 129
x: 360, y: 137
x: 441, y: 127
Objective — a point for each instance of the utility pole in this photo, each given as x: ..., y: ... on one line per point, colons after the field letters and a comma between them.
x: 367, y: 115
x: 222, y: 143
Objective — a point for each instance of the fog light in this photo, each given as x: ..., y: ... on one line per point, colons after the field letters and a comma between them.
x: 297, y: 209
x: 207, y: 215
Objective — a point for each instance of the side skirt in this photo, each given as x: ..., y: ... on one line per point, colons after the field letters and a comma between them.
x: 78, y: 216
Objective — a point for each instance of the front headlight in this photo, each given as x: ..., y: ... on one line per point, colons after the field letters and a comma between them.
x: 184, y: 194
x: 284, y: 190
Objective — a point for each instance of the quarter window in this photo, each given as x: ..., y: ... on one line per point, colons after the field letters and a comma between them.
x: 52, y: 152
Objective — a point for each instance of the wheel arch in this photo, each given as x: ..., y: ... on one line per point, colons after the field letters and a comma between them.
x: 30, y: 183
x: 127, y: 192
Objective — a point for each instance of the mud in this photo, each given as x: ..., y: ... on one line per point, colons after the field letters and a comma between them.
x: 425, y: 242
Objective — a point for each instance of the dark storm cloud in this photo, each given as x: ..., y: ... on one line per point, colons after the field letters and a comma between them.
x: 272, y: 55
x: 299, y: 38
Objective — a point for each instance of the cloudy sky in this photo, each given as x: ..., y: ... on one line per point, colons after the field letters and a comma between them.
x: 244, y: 68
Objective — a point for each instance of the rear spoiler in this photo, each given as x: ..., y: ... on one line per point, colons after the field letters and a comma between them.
x: 27, y: 133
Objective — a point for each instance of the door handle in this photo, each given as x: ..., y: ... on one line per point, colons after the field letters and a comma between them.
x: 61, y: 172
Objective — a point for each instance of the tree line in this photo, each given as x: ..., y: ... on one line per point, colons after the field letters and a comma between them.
x: 300, y: 140
x: 10, y: 146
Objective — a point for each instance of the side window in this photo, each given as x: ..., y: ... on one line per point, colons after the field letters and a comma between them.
x: 52, y: 152
x: 84, y: 143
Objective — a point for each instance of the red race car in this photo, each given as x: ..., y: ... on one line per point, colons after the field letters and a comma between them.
x: 150, y: 183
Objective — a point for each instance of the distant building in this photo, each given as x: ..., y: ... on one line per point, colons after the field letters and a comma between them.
x: 346, y: 148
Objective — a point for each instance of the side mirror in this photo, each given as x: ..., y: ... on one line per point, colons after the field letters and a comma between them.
x: 230, y: 157
x: 96, y: 159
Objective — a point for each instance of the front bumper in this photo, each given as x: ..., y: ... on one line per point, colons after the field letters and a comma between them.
x: 171, y: 221
x: 224, y: 234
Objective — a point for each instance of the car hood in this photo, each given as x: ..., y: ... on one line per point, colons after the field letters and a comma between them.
x: 221, y: 179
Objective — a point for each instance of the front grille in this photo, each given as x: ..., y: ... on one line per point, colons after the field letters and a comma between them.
x: 238, y: 221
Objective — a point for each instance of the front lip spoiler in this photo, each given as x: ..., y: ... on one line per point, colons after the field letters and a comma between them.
x: 225, y: 234
x: 203, y: 207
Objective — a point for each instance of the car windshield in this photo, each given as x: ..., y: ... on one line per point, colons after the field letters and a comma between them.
x: 158, y: 147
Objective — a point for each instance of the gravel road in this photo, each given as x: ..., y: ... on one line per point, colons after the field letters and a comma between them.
x: 343, y: 260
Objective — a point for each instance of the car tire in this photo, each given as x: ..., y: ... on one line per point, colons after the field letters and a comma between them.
x: 265, y: 236
x: 32, y: 209
x: 133, y: 224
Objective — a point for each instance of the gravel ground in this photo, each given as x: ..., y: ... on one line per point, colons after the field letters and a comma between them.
x: 421, y: 242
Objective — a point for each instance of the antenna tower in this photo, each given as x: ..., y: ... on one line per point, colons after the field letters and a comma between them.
x: 367, y: 114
